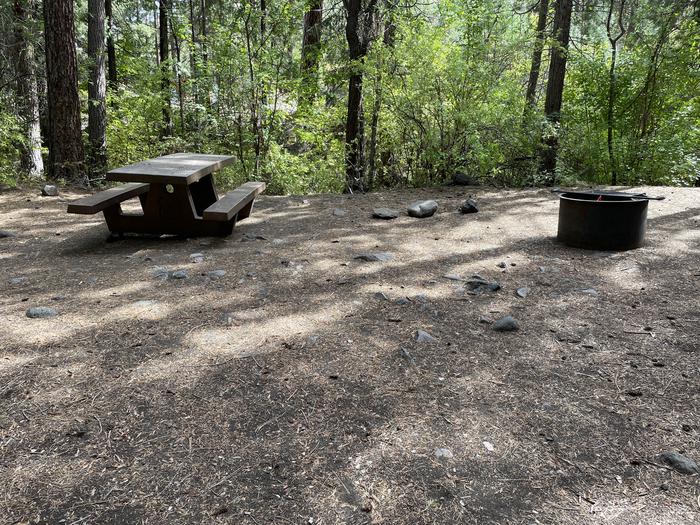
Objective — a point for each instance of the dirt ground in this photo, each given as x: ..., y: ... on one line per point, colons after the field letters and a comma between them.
x: 286, y: 391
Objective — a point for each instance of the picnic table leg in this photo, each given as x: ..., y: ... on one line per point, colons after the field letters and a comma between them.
x: 203, y: 194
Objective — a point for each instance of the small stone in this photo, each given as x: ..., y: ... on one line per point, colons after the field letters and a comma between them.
x: 443, y: 453
x: 679, y: 462
x: 339, y: 212
x: 385, y: 214
x: 41, y: 312
x: 402, y: 301
x: 424, y: 337
x: 452, y: 277
x: 381, y: 296
x: 179, y: 274
x: 49, y: 190
x: 17, y: 280
x: 468, y: 206
x: 489, y: 446
x: 422, y: 209
x: 485, y: 320
x: 420, y: 298
x: 506, y: 324
x: 522, y: 292
x: 216, y: 274
x: 4, y: 234
x: 375, y: 257
x: 160, y: 272
x: 196, y: 257
x: 407, y: 356
x: 248, y: 237
x: 589, y: 291
x: 478, y: 284
x: 502, y: 264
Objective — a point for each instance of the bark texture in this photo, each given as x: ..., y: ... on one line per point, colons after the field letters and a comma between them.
x: 26, y: 86
x: 311, y: 50
x: 66, y: 153
x: 111, y: 51
x: 97, y: 88
x: 163, y: 50
x: 537, y: 54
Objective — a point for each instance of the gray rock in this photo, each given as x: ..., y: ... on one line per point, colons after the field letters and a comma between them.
x: 485, y: 320
x: 4, y: 234
x: 407, y: 356
x: 469, y: 206
x: 422, y: 209
x: 160, y: 272
x: 216, y: 274
x: 402, y: 301
x: 443, y: 453
x: 522, y: 292
x: 248, y: 237
x: 502, y: 264
x: 179, y: 274
x: 375, y: 257
x: 339, y: 212
x: 17, y: 280
x: 506, y: 324
x: 420, y: 298
x: 679, y: 462
x: 477, y: 284
x: 464, y: 179
x: 196, y: 257
x: 381, y: 296
x: 49, y: 190
x: 41, y: 312
x: 589, y: 291
x: 452, y: 277
x: 424, y: 337
x: 384, y: 213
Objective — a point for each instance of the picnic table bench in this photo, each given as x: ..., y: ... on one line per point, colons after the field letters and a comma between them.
x: 177, y: 196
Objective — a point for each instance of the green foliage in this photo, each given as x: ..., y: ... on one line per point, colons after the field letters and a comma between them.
x: 11, y: 145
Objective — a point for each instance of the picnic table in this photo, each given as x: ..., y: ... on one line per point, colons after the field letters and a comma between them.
x: 177, y: 196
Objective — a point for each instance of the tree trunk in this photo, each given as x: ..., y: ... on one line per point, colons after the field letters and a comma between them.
x: 613, y: 39
x: 167, y: 128
x: 66, y: 154
x: 536, y: 55
x: 555, y: 84
x: 27, y: 88
x: 358, y: 36
x: 111, y: 52
x: 311, y: 51
x: 97, y: 88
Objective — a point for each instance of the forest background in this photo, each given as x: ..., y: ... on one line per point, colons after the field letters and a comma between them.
x: 355, y: 95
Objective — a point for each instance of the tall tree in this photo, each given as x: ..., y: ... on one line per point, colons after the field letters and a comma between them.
x: 97, y: 88
x: 311, y: 50
x: 163, y: 50
x: 613, y: 38
x: 555, y: 84
x: 359, y: 28
x: 66, y: 153
x: 24, y: 13
x: 540, y: 36
x: 111, y: 51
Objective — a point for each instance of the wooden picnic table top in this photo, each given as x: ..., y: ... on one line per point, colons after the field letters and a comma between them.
x: 178, y: 168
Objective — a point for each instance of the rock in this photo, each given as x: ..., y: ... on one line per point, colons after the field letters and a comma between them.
x: 420, y: 298
x: 506, y: 324
x: 339, y: 212
x: 452, y: 277
x: 443, y: 453
x: 424, y: 337
x: 679, y: 462
x: 402, y: 301
x: 381, y: 296
x: 41, y: 312
x: 469, y: 206
x: 422, y: 209
x: 17, y: 280
x: 248, y: 237
x: 179, y: 274
x: 463, y: 179
x: 160, y: 272
x: 375, y: 257
x: 489, y: 446
x: 407, y: 356
x: 502, y: 264
x: 522, y: 292
x: 589, y: 291
x: 386, y: 214
x: 485, y: 320
x: 216, y: 274
x: 4, y: 234
x: 196, y: 257
x: 49, y: 190
x: 477, y: 284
